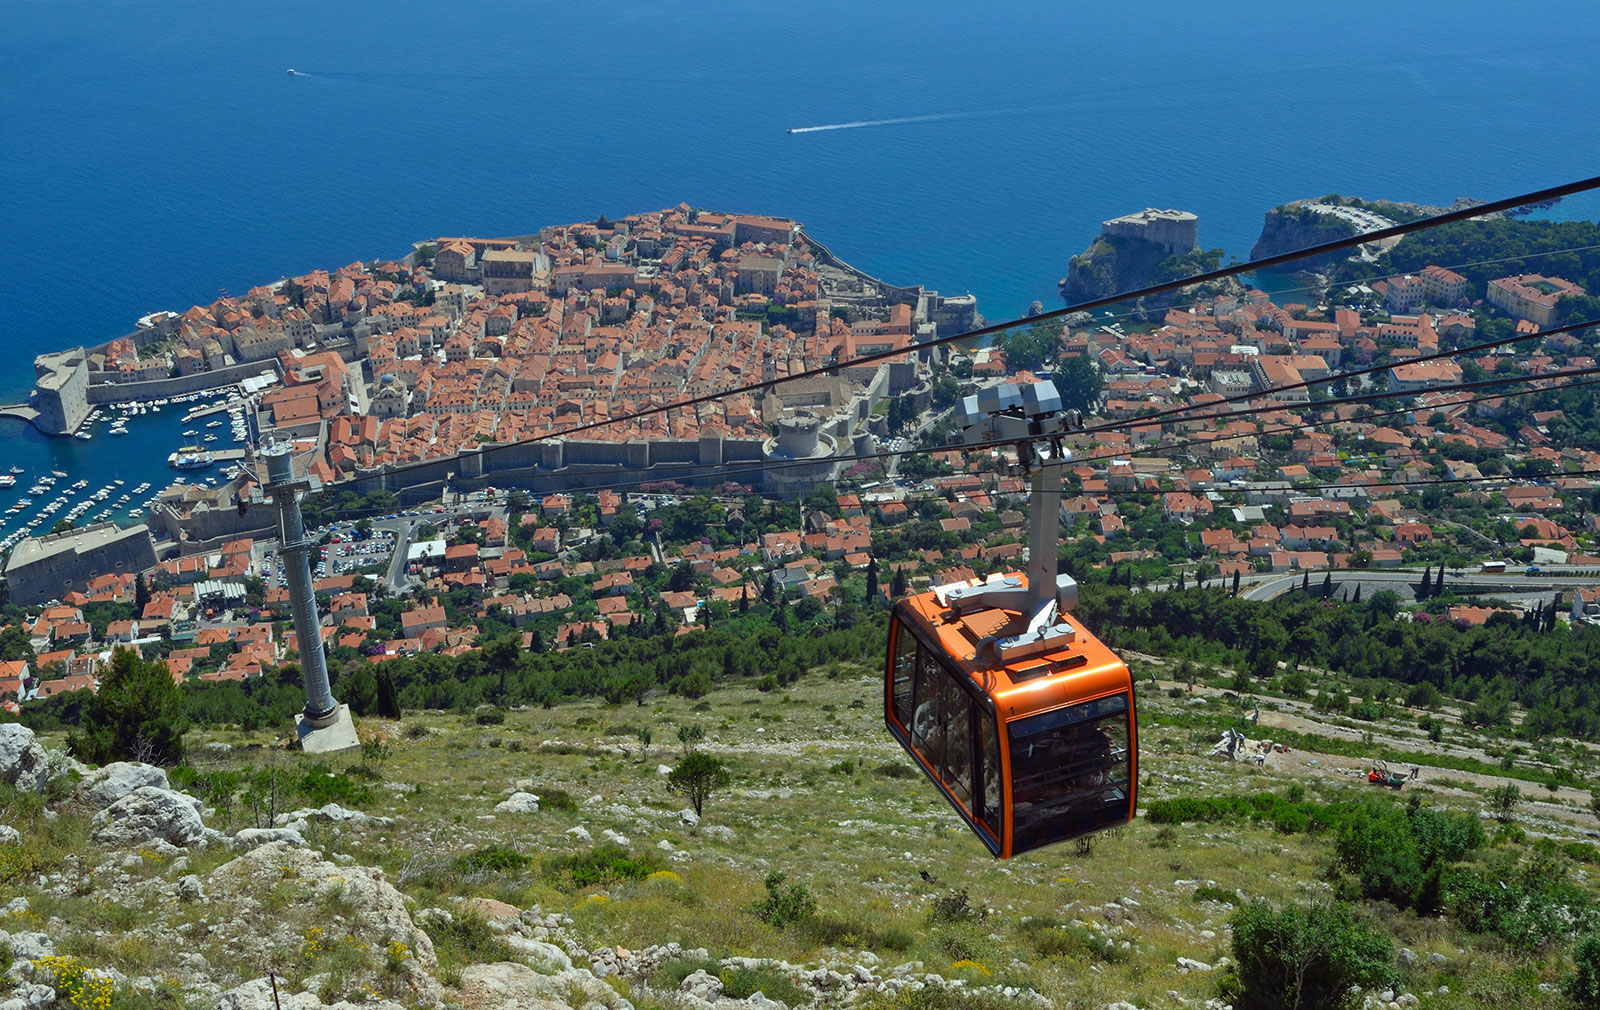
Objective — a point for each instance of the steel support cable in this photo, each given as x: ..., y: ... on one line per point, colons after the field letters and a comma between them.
x: 1007, y: 443
x: 1488, y: 345
x: 1267, y: 262
x: 1001, y: 443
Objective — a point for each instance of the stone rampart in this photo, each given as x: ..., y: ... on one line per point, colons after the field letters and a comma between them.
x: 155, y: 389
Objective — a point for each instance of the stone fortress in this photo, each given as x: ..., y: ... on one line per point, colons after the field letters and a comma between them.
x: 1175, y: 231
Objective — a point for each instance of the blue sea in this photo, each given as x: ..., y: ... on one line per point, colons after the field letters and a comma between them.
x: 153, y: 154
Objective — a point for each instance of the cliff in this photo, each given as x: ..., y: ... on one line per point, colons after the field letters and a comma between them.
x: 1292, y: 227
x: 1295, y: 226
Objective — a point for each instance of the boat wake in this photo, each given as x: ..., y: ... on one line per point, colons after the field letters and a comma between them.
x: 862, y: 124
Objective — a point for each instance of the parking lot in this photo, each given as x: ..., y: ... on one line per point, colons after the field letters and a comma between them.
x: 346, y: 550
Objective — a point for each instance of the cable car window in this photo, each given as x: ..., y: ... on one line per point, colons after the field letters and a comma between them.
x: 957, y: 768
x: 991, y: 789
x: 905, y: 664
x: 927, y: 730
x: 1070, y: 771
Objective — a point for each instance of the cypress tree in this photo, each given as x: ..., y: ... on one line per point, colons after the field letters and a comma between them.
x: 744, y: 598
x: 872, y: 582
x: 1357, y: 597
x: 387, y: 705
x: 897, y: 585
x: 1305, y: 582
x: 1236, y: 582
x: 1327, y: 585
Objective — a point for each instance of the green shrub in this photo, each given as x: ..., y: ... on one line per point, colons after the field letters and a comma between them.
x: 1583, y: 985
x: 954, y: 906
x: 494, y: 858
x: 489, y: 716
x: 742, y: 983
x: 320, y: 785
x: 1504, y: 800
x: 1303, y: 957
x: 466, y: 939
x: 784, y: 906
x: 1403, y: 856
x: 1531, y: 907
x: 600, y: 865
x: 895, y: 938
x: 1580, y: 852
x: 556, y: 799
x: 833, y: 931
x: 1050, y: 937
x: 1205, y: 892
x: 214, y: 789
x: 939, y: 999
x: 672, y: 973
x: 895, y: 770
x: 21, y: 861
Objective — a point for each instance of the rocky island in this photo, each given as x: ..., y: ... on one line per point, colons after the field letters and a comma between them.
x: 1137, y: 250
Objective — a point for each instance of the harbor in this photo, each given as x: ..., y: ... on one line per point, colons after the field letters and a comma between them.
x: 118, y: 464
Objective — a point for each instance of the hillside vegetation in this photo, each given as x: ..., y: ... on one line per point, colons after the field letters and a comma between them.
x: 535, y: 836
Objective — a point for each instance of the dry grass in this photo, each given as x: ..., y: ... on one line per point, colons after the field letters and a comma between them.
x: 810, y: 798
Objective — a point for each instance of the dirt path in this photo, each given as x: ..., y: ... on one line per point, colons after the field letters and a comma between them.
x: 1567, y: 804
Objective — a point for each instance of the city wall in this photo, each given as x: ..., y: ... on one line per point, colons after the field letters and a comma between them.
x: 154, y: 389
x: 558, y: 464
x: 56, y: 564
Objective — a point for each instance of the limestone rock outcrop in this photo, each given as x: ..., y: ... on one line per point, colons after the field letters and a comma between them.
x: 23, y: 762
x: 149, y: 814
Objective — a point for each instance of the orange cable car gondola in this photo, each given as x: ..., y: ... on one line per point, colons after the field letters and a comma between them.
x: 1019, y: 716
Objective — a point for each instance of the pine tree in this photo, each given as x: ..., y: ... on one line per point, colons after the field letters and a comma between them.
x: 137, y: 715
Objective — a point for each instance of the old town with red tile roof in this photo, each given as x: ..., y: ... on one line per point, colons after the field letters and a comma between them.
x: 473, y: 343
